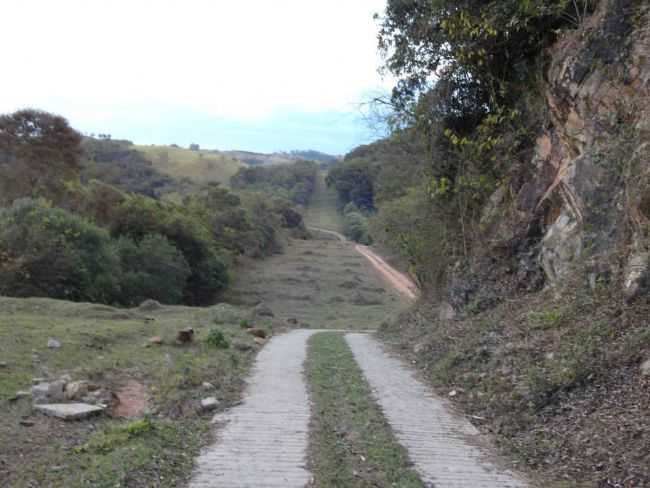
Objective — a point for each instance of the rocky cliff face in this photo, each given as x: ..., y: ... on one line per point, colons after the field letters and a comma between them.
x: 591, y: 185
x: 582, y: 210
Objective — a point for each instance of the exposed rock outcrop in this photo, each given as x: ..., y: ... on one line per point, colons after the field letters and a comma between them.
x: 599, y: 106
x: 580, y: 208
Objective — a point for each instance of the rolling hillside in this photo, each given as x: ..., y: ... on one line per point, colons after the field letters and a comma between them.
x: 255, y: 159
x: 198, y: 166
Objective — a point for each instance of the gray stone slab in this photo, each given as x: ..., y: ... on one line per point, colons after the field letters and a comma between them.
x: 69, y: 411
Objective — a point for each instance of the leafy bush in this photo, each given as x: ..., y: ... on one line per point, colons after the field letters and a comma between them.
x: 422, y: 231
x: 355, y: 225
x: 217, y: 339
x: 140, y: 216
x: 50, y: 252
x: 151, y: 269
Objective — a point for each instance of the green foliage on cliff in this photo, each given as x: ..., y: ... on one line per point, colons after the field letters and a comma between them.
x: 466, y: 109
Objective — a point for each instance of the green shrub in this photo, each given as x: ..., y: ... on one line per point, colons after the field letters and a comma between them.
x: 50, y: 252
x: 140, y: 216
x: 217, y: 339
x: 151, y: 269
x: 355, y: 225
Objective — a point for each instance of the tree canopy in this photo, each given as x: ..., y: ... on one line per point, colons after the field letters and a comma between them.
x: 39, y: 151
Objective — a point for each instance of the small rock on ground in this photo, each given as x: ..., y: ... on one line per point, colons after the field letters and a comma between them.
x: 261, y: 333
x: 645, y: 368
x: 149, y: 306
x: 208, y: 404
x: 53, y: 344
x: 48, y: 392
x: 243, y: 347
x: 262, y: 310
x: 185, y: 336
x: 20, y: 394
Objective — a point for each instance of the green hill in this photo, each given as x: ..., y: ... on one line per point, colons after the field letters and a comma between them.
x: 198, y: 166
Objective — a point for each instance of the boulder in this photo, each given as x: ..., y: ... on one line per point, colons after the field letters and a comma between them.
x: 208, y: 404
x: 446, y: 311
x: 100, y: 397
x: 48, y: 392
x: 645, y: 368
x: 185, y: 336
x: 637, y: 275
x: 243, y: 346
x: 20, y: 394
x: 53, y: 344
x: 69, y: 411
x: 262, y: 310
x: 255, y: 332
x: 76, y: 390
x: 419, y: 348
x: 149, y: 306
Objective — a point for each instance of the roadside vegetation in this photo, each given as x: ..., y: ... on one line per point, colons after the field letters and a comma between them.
x: 130, y: 353
x: 64, y: 235
x: 352, y: 444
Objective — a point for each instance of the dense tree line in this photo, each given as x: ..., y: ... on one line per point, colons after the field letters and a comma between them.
x: 294, y: 182
x: 67, y: 236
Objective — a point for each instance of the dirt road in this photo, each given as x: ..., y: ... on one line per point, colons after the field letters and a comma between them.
x: 402, y: 283
x: 264, y: 442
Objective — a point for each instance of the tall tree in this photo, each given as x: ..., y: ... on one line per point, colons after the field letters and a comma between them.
x: 39, y: 152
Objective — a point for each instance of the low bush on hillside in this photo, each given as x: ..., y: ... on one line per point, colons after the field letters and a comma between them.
x: 218, y: 339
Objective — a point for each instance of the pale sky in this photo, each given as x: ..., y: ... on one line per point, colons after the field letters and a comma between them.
x: 261, y: 75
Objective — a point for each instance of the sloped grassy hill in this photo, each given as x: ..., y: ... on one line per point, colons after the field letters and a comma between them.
x: 198, y: 166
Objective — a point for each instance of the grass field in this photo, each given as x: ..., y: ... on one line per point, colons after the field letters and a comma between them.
x: 323, y: 284
x: 107, y: 347
x: 322, y: 207
x: 198, y: 166
x: 351, y: 445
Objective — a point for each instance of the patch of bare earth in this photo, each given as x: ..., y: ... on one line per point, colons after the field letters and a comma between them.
x: 132, y: 400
